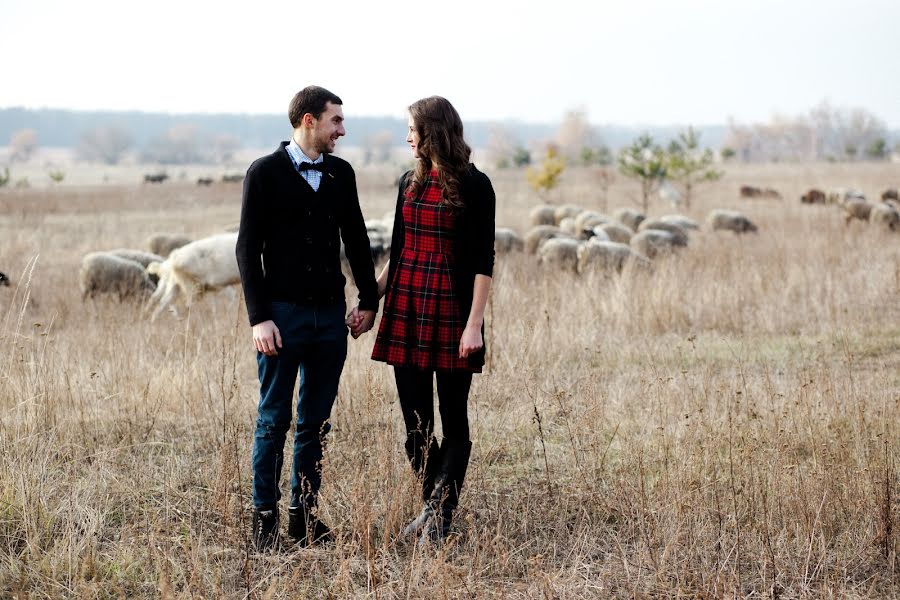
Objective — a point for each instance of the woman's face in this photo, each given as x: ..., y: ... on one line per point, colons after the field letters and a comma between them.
x: 412, y: 138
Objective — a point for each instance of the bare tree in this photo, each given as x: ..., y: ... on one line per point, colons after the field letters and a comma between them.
x: 575, y: 133
x: 825, y: 133
x: 179, y: 145
x: 104, y: 144
x: 501, y: 146
x: 22, y: 145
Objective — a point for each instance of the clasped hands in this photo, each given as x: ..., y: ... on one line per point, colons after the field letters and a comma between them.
x: 360, y: 321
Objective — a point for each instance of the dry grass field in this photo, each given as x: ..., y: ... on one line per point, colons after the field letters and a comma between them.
x: 727, y: 426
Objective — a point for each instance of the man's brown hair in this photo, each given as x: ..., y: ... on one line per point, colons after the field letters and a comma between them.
x: 311, y: 99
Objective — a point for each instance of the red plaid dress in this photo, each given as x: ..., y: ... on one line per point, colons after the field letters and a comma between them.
x: 421, y: 325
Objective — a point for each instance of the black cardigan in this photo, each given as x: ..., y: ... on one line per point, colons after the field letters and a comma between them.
x: 473, y: 244
x: 288, y: 245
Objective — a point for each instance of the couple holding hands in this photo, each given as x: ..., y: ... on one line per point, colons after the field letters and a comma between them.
x: 298, y: 204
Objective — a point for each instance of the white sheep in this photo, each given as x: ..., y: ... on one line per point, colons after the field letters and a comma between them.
x: 655, y: 242
x: 559, y: 252
x: 567, y: 211
x: 139, y: 256
x: 885, y: 216
x: 680, y: 220
x: 104, y: 273
x: 606, y: 257
x: 542, y: 214
x: 857, y: 209
x: 681, y: 237
x: 629, y: 217
x: 164, y: 243
x: 538, y: 234
x: 616, y: 232
x: 206, y: 265
x: 567, y: 226
x: 506, y: 240
x: 589, y: 219
x: 729, y: 220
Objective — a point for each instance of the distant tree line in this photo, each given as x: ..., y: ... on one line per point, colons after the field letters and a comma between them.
x: 825, y: 133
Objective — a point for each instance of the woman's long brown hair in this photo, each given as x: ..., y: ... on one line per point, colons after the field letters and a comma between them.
x: 441, y: 140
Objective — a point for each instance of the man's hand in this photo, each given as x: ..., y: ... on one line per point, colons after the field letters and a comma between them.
x: 265, y: 337
x: 360, y: 321
x: 471, y: 341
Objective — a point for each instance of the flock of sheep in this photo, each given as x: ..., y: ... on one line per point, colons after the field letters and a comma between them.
x: 884, y: 215
x: 575, y: 239
x: 173, y: 268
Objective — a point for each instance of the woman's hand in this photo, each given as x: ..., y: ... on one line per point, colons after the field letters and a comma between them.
x: 471, y: 341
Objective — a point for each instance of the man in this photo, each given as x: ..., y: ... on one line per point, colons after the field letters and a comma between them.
x: 299, y: 203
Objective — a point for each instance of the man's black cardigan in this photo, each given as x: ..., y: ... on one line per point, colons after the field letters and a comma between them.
x: 473, y: 242
x: 288, y: 246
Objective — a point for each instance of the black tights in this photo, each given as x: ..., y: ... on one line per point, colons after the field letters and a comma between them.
x: 416, y: 390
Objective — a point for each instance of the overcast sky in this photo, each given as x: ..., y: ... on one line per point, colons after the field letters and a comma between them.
x: 628, y: 62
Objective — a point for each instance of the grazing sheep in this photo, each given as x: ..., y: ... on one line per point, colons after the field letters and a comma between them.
x: 543, y: 214
x: 730, y: 220
x: 566, y: 211
x: 890, y: 194
x: 204, y: 181
x: 616, y: 232
x: 4, y: 280
x: 559, y: 252
x: 103, y: 273
x: 894, y: 203
x: 814, y: 196
x: 680, y: 220
x: 857, y: 209
x: 567, y: 226
x: 885, y: 216
x: 606, y: 257
x: 506, y: 240
x: 681, y: 237
x: 598, y: 235
x: 138, y: 256
x: 379, y: 232
x: 164, y: 243
x: 235, y: 178
x: 588, y: 219
x: 749, y: 191
x: 629, y: 217
x: 206, y: 265
x: 540, y: 233
x: 155, y: 177
x: 655, y: 242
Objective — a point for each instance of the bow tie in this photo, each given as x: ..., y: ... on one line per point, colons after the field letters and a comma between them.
x: 306, y: 166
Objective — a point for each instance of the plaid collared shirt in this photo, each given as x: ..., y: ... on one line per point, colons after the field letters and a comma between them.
x: 313, y: 177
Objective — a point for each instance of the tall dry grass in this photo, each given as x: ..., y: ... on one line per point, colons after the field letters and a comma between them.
x: 726, y: 426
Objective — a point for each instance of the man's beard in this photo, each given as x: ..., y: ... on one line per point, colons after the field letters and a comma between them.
x: 322, y: 146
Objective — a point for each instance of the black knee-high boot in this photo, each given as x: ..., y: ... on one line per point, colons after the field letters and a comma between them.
x: 424, y: 457
x: 437, y: 514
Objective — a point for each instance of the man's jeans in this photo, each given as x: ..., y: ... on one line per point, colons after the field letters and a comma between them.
x: 314, y: 344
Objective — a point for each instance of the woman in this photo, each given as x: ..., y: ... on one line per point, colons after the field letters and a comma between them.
x: 437, y: 283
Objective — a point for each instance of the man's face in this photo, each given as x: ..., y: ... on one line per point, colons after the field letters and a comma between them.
x: 328, y: 128
x: 412, y: 138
